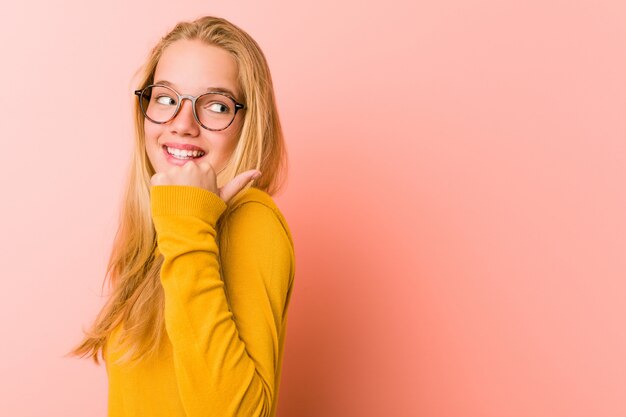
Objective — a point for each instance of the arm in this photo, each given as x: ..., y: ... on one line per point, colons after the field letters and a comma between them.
x: 225, y: 336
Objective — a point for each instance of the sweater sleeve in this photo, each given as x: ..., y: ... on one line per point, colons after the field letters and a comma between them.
x: 225, y: 333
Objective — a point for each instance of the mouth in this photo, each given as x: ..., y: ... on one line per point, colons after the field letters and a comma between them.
x: 184, y: 154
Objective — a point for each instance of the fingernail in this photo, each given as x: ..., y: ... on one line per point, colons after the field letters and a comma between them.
x: 257, y: 175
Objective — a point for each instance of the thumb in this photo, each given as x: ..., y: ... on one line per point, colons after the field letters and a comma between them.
x: 235, y: 185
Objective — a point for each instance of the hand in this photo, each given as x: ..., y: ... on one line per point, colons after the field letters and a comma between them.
x: 202, y: 175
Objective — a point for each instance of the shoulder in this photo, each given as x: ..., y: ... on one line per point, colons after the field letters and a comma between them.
x: 254, y: 234
x: 252, y: 194
x: 254, y: 210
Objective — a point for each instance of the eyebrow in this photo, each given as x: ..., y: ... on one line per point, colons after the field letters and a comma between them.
x: 216, y: 89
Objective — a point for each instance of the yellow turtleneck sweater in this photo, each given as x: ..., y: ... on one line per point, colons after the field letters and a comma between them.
x: 226, y: 299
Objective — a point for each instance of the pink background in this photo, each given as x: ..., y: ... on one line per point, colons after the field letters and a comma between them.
x: 456, y: 195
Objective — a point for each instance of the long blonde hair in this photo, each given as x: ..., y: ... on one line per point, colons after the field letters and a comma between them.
x: 133, y: 271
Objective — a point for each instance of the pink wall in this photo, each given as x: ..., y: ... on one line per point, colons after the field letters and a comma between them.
x: 456, y: 195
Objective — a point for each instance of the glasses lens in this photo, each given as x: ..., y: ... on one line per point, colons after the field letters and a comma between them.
x: 215, y: 111
x: 159, y: 103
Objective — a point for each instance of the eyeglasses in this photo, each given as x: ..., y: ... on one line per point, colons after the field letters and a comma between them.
x: 213, y: 110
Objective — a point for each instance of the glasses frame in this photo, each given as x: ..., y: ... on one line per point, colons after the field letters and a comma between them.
x: 193, y: 99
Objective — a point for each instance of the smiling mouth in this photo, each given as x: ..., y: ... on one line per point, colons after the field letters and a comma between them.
x: 183, y: 154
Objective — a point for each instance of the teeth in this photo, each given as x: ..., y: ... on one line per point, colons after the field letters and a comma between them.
x: 181, y: 153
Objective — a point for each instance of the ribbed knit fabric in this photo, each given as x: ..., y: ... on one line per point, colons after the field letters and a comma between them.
x: 226, y: 300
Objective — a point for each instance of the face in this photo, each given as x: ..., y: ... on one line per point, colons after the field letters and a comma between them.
x: 193, y: 67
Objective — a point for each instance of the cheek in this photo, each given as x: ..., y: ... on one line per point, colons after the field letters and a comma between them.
x: 224, y: 142
x: 228, y: 145
x: 233, y: 139
x: 151, y: 145
x: 151, y: 133
x: 153, y: 149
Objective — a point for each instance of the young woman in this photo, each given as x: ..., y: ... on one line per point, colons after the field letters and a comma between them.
x: 202, y: 266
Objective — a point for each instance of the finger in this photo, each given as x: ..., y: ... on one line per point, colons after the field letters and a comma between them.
x: 206, y: 168
x: 158, y: 179
x: 190, y: 165
x: 205, y: 165
x: 236, y: 184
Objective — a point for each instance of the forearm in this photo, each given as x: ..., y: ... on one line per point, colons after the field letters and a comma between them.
x: 215, y: 374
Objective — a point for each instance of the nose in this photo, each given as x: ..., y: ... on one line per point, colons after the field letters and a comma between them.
x: 184, y: 122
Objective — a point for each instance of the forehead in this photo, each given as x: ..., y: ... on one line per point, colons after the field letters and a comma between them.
x: 191, y: 67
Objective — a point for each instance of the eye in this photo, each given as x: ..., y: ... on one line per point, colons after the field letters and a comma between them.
x: 165, y: 100
x: 217, y: 107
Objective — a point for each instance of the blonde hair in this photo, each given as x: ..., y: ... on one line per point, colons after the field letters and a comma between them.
x: 137, y: 298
